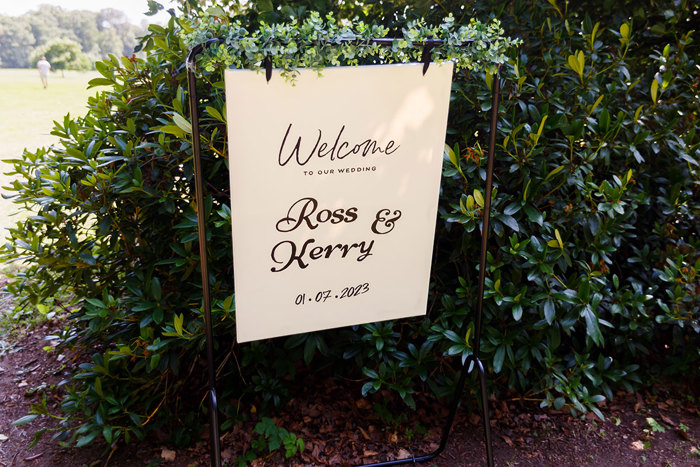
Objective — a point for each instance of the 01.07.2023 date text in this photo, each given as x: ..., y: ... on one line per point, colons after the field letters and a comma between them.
x: 323, y: 295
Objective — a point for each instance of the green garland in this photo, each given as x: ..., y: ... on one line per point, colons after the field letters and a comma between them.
x: 316, y: 43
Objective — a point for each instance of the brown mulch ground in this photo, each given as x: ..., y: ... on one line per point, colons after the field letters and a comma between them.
x: 339, y: 428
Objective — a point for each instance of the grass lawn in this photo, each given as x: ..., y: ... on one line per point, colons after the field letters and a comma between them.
x: 27, y: 112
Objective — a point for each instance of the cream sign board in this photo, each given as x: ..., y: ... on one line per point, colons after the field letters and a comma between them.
x: 334, y: 191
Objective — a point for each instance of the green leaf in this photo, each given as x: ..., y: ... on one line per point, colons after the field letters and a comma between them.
x: 215, y: 113
x: 453, y: 336
x: 452, y: 156
x: 264, y: 6
x: 100, y: 82
x: 597, y: 398
x: 37, y: 437
x: 96, y: 302
x: 592, y: 329
x: 604, y: 120
x: 155, y: 360
x: 534, y: 215
x: 541, y: 127
x: 156, y: 289
x: 511, y: 209
x: 581, y: 59
x: 559, y: 241
x: 624, y: 33
x: 479, y: 198
x: 666, y: 79
x: 182, y: 123
x: 489, y: 80
x: 25, y: 419
x: 654, y: 90
x: 510, y: 222
x: 590, y: 112
x: 158, y: 315
x: 584, y: 291
x: 135, y: 419
x: 177, y: 323
x: 549, y: 311
x: 370, y: 373
x: 98, y: 387
x: 573, y: 63
x: 108, y: 434
x: 470, y: 203
x: 216, y: 11
x: 498, y: 358
x: 517, y: 312
x: 171, y: 130
x: 553, y: 172
x: 85, y: 440
x: 597, y: 413
x: 309, y: 349
x: 593, y: 34
x: 554, y: 4
x: 527, y: 187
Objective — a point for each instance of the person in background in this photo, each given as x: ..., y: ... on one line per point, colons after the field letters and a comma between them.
x: 43, y: 66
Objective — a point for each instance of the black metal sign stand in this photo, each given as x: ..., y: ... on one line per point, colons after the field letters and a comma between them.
x: 473, y: 361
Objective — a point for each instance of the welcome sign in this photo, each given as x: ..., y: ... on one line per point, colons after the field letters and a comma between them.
x: 334, y: 192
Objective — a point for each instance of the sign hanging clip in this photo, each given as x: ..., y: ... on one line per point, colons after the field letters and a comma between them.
x: 426, y: 56
x: 267, y: 63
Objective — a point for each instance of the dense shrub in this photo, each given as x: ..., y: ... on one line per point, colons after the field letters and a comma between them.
x: 598, y: 160
x: 593, y: 260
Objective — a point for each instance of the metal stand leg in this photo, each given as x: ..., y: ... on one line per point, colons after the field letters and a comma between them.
x: 485, y: 407
x: 204, y: 265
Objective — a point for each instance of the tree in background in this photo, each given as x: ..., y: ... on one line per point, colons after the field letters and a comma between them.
x: 116, y: 35
x: 84, y: 28
x: 45, y: 23
x: 63, y: 54
x: 96, y: 34
x: 16, y: 42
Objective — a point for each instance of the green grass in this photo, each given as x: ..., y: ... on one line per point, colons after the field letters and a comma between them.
x: 27, y: 112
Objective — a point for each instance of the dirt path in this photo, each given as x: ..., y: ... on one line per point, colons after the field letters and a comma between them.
x: 340, y: 430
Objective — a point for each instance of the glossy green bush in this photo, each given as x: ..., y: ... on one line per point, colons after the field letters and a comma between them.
x: 587, y: 146
x: 593, y: 260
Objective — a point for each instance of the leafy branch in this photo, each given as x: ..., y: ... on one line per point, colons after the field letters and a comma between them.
x: 317, y: 42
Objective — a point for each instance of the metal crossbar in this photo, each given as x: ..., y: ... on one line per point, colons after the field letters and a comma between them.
x: 471, y: 362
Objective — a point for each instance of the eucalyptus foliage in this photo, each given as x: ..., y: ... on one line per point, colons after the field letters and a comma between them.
x: 316, y: 43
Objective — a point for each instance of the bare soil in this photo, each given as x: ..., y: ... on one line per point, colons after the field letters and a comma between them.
x: 339, y: 428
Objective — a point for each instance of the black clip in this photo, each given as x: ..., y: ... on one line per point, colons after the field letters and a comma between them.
x: 426, y: 56
x: 267, y: 63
